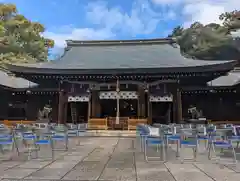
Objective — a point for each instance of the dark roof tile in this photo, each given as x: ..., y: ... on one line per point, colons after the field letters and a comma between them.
x: 14, y: 82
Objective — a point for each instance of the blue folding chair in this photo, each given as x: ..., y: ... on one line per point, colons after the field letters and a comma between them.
x: 156, y: 140
x: 202, y: 135
x: 60, y: 135
x: 82, y: 129
x: 220, y: 140
x: 174, y: 137
x: 142, y: 131
x: 7, y: 139
x: 189, y: 139
x: 44, y: 139
x: 236, y: 135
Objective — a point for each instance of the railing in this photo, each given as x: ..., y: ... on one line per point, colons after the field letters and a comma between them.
x: 14, y: 122
x: 132, y: 123
x: 98, y: 123
x: 125, y: 123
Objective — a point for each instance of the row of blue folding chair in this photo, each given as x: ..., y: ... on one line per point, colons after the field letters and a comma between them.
x: 194, y: 143
x: 36, y: 140
x: 12, y: 137
x: 7, y: 139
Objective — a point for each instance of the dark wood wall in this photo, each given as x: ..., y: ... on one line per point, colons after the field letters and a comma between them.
x: 31, y: 104
x: 217, y: 106
x: 4, y: 97
x: 36, y: 102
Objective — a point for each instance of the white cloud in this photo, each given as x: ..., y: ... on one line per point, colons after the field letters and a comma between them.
x: 140, y: 20
x: 167, y: 2
x: 204, y: 11
x: 78, y: 34
x: 107, y: 22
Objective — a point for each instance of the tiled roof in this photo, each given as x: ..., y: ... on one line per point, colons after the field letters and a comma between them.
x: 231, y: 79
x: 14, y: 82
x: 120, y: 55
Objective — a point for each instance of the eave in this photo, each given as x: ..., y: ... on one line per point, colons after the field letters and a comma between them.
x: 222, y: 67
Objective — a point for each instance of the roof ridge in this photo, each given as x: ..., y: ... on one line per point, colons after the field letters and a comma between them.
x: 120, y: 42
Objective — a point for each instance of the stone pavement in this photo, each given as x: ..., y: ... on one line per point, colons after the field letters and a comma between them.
x: 112, y: 159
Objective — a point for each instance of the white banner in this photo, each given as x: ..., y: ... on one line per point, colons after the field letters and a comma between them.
x: 161, y: 98
x: 78, y: 98
x: 120, y: 95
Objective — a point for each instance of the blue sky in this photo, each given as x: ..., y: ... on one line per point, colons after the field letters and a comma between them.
x: 118, y: 19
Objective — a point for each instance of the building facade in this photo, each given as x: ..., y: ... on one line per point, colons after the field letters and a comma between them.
x: 115, y: 81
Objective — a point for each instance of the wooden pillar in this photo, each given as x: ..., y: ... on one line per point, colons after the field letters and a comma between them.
x: 138, y: 106
x: 65, y: 110
x: 118, y: 102
x: 89, y: 107
x: 95, y: 104
x: 179, y: 105
x: 61, y: 107
x: 141, y: 103
x: 149, y: 109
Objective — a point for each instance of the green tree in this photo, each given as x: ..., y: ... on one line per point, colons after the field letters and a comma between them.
x: 212, y: 41
x: 21, y: 40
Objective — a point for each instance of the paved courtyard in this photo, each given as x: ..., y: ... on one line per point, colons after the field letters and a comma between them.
x: 112, y: 159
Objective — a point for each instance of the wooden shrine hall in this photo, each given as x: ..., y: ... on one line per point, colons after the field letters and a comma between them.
x: 118, y: 84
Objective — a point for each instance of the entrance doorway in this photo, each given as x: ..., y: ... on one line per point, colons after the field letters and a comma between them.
x: 161, y: 112
x: 108, y: 108
x: 77, y: 112
x: 128, y: 108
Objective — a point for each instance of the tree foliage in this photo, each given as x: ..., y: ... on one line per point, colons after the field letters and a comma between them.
x: 211, y: 41
x: 21, y: 40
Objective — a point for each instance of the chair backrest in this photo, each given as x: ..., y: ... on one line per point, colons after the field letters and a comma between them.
x: 236, y: 130
x: 82, y: 126
x: 144, y: 130
x: 176, y: 129
x: 60, y: 128
x: 5, y: 131
x: 2, y: 126
x: 202, y: 130
x: 153, y: 131
x: 157, y: 125
x: 6, y: 137
x: 222, y: 133
x: 189, y: 132
x: 189, y: 135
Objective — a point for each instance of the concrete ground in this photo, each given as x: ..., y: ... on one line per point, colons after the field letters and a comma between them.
x: 112, y: 159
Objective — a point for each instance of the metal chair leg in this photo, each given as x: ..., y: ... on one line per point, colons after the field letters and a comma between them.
x: 234, y: 155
